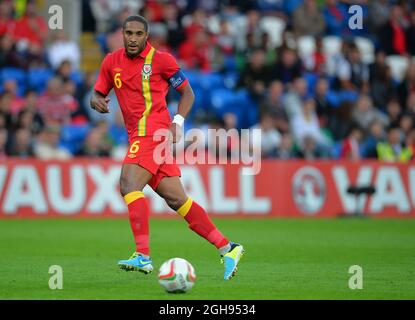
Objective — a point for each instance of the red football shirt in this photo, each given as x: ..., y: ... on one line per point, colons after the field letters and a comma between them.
x: 141, y: 85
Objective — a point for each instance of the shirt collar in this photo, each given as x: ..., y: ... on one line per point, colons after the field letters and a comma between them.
x: 146, y: 50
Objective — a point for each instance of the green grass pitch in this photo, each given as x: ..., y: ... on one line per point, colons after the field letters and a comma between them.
x: 285, y: 259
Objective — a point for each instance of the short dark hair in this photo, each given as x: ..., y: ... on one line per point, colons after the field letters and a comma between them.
x: 137, y: 18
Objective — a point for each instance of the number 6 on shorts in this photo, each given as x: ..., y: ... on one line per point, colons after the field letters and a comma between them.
x: 134, y: 147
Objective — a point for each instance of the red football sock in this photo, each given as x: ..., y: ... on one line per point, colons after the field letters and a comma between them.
x: 139, y: 215
x: 200, y: 223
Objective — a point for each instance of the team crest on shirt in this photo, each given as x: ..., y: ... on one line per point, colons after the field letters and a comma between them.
x: 146, y: 71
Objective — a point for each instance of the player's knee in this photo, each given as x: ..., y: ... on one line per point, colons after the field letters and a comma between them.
x: 175, y: 201
x: 126, y: 186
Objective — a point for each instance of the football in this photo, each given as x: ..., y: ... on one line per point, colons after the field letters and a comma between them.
x: 177, y: 275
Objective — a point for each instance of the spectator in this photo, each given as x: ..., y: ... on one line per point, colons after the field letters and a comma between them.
x: 93, y: 146
x: 375, y: 135
x: 364, y: 113
x: 393, y: 110
x: 285, y: 150
x: 288, y: 67
x: 294, y: 99
x: 350, y: 148
x: 21, y: 145
x: 394, y: 150
x: 31, y: 99
x: 16, y: 102
x: 309, y: 149
x: 392, y: 35
x: 338, y: 66
x: 410, y: 32
x: 197, y: 22
x: 376, y: 68
x: 62, y: 49
x: 114, y: 39
x: 30, y: 120
x: 324, y: 107
x: 65, y: 71
x: 105, y: 10
x: 378, y: 14
x: 407, y: 86
x: 5, y: 111
x: 252, y: 28
x: 383, y: 88
x: 316, y: 62
x: 31, y: 31
x: 272, y: 104
x: 7, y: 23
x: 255, y: 77
x: 158, y: 37
x: 106, y: 139
x: 270, y: 137
x: 410, y: 141
x: 194, y: 53
x: 335, y: 15
x: 55, y: 106
x: 358, y: 70
x: 9, y: 57
x: 3, y: 143
x: 175, y: 31
x: 306, y: 124
x: 225, y: 39
x: 47, y: 145
x: 410, y: 104
x: 406, y: 123
x: 308, y: 20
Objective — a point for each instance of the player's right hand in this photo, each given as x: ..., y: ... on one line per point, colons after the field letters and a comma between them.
x: 100, y: 104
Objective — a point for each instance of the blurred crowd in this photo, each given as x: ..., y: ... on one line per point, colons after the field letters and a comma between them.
x: 295, y: 69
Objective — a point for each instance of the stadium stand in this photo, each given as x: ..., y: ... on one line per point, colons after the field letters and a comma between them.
x: 224, y: 36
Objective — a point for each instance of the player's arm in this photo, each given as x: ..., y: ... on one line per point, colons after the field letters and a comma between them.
x: 172, y: 73
x: 99, y: 100
x: 187, y: 98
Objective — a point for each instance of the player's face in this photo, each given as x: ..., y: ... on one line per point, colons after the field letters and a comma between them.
x: 135, y: 37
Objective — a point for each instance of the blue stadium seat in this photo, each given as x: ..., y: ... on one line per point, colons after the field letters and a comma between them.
x: 348, y: 96
x: 311, y: 79
x: 77, y: 77
x: 193, y: 76
x: 15, y: 74
x: 246, y: 109
x: 211, y: 81
x: 72, y: 136
x: 333, y: 98
x: 102, y: 41
x: 230, y: 79
x: 38, y: 79
x: 336, y: 149
x: 238, y: 102
x: 222, y: 101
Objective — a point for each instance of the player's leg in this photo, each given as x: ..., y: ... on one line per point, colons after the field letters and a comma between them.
x: 132, y: 181
x: 171, y: 189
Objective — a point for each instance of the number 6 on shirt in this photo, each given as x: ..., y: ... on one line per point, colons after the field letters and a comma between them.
x: 117, y: 80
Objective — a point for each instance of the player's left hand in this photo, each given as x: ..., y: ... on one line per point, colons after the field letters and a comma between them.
x: 176, y: 131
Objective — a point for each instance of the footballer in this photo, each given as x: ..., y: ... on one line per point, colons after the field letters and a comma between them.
x: 141, y: 77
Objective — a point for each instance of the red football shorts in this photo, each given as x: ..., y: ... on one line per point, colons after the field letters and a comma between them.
x: 143, y: 152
